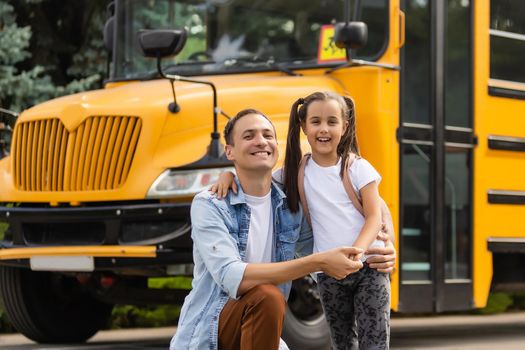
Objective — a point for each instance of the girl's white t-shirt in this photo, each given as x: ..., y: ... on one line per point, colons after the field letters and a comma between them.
x: 335, y: 220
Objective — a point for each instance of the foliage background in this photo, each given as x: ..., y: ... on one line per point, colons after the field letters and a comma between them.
x: 50, y: 48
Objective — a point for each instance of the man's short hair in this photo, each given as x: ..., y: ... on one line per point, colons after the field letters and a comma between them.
x: 228, y: 129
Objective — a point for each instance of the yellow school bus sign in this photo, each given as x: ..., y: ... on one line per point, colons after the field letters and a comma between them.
x: 327, y: 51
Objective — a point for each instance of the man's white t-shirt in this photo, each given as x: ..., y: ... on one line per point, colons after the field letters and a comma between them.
x: 335, y: 220
x: 260, y: 233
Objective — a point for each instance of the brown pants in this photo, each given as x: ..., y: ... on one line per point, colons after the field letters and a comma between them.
x: 255, y: 321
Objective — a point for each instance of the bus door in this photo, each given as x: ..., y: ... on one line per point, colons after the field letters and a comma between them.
x: 436, y: 143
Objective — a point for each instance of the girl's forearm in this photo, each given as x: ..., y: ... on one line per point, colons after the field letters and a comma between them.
x: 372, y: 214
x: 369, y: 232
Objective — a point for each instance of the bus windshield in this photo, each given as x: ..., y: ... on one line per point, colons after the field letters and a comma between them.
x: 226, y: 36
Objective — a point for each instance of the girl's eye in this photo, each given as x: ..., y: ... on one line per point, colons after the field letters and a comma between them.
x: 269, y: 136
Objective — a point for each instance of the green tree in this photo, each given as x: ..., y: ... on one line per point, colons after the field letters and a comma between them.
x: 48, y: 49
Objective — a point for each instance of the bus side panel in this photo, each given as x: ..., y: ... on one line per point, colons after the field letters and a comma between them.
x: 493, y: 169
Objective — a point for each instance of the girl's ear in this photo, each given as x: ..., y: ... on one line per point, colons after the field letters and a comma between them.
x: 345, y: 126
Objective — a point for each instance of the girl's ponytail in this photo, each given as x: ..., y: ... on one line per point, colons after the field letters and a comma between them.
x: 349, y: 138
x: 293, y: 156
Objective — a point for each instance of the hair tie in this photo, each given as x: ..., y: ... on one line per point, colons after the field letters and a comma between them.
x: 301, y: 100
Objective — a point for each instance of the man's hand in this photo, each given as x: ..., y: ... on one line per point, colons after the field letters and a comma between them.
x: 385, y: 260
x: 339, y: 262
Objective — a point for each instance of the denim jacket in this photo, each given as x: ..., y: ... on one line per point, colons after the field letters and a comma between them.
x: 220, y: 234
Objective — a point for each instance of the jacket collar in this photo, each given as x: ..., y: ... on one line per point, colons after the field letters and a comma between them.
x: 240, y: 198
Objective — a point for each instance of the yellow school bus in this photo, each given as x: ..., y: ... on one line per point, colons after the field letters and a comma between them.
x: 95, y: 188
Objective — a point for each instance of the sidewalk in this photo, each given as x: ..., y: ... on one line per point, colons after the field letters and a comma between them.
x: 400, y: 325
x: 456, y: 323
x: 117, y: 335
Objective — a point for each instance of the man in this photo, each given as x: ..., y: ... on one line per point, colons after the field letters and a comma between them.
x: 244, y: 248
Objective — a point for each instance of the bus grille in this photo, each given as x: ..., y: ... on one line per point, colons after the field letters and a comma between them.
x: 95, y: 156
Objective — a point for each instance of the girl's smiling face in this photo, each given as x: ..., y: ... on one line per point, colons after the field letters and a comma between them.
x: 324, y: 127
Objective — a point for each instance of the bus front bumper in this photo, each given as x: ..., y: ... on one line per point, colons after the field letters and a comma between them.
x: 144, y: 234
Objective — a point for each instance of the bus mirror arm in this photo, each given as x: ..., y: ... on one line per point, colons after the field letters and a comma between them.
x: 358, y: 63
x: 215, y: 149
x: 159, y: 43
x: 215, y: 156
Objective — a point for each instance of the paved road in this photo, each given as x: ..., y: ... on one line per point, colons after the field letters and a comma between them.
x: 440, y: 332
x: 505, y: 331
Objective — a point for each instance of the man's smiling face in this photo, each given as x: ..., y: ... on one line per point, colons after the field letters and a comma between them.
x: 254, y: 145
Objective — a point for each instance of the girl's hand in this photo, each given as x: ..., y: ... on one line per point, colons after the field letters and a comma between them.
x: 224, y: 182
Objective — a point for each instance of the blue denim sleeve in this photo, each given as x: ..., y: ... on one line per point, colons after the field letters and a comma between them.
x: 217, y: 248
x: 305, y: 243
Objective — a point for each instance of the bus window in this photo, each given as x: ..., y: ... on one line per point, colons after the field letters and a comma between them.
x: 240, y: 35
x: 507, y: 40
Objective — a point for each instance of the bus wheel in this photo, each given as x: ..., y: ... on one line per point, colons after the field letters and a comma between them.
x: 49, y: 307
x: 305, y: 325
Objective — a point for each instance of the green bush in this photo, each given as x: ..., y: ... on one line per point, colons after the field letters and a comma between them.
x: 128, y: 316
x: 5, y: 326
x: 497, y: 303
x: 3, y: 227
x: 170, y: 282
x: 518, y: 301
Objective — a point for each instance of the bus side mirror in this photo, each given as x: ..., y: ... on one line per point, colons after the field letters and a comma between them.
x: 351, y: 35
x: 161, y: 42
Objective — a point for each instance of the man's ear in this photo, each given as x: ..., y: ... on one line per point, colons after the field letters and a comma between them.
x: 228, y: 150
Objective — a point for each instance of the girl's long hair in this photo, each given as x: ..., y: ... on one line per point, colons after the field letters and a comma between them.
x: 294, y: 154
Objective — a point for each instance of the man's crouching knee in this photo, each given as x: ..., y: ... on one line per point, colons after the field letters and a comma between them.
x: 267, y: 298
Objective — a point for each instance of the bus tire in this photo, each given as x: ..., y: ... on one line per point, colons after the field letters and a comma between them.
x: 305, y: 326
x: 50, y: 308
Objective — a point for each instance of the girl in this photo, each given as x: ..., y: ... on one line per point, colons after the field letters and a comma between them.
x: 328, y: 120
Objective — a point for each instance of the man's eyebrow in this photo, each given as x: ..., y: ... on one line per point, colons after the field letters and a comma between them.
x: 255, y: 130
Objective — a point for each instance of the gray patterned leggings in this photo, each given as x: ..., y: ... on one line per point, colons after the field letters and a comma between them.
x: 357, y: 309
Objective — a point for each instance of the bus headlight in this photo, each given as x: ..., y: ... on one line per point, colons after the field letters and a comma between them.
x: 184, y: 183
